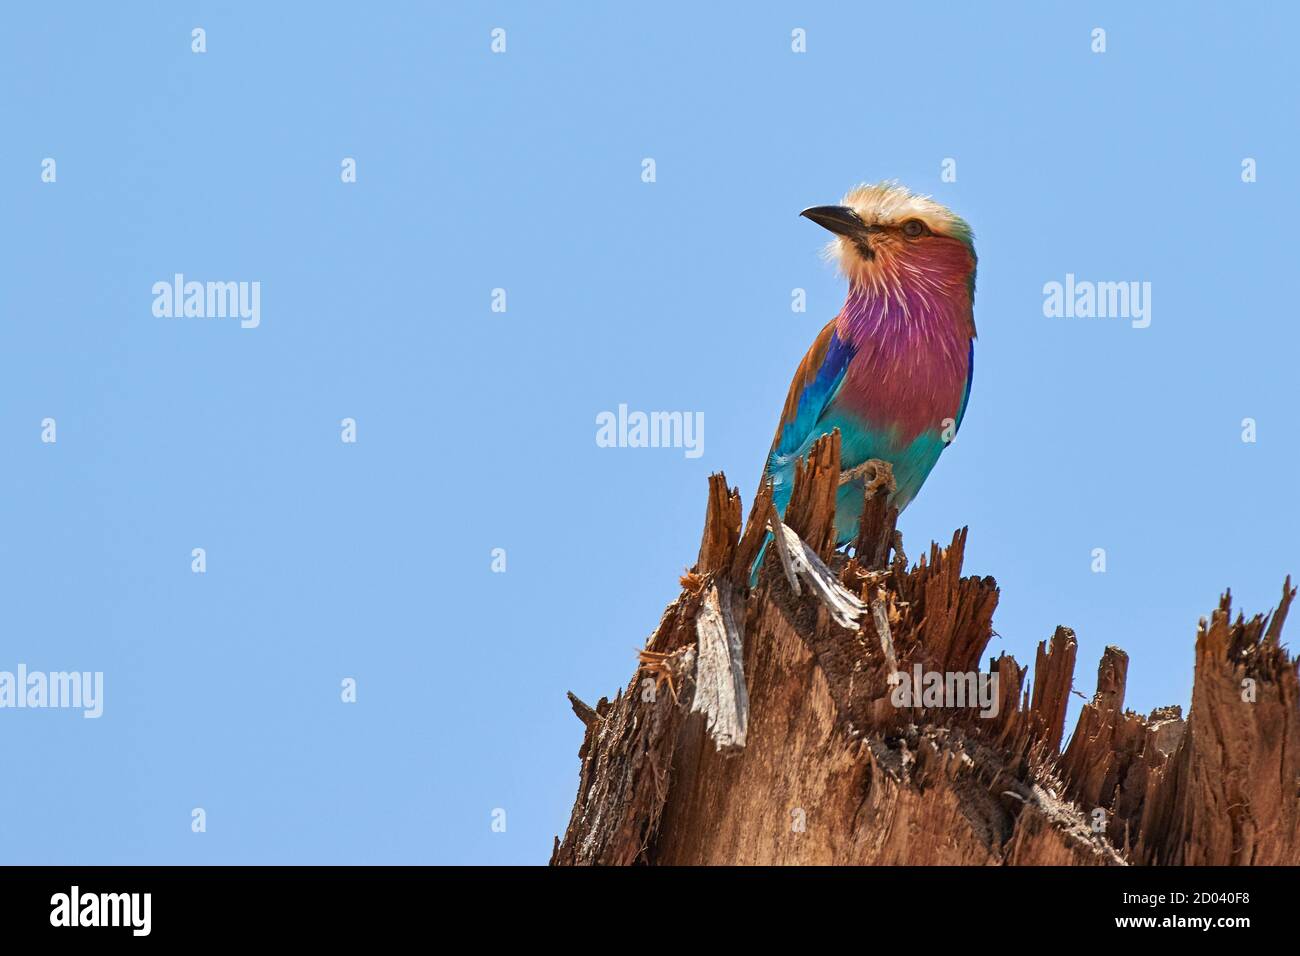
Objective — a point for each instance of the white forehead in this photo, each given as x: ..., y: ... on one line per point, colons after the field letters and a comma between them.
x: 892, y: 204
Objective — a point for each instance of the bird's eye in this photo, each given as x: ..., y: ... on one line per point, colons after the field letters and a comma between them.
x: 914, y: 228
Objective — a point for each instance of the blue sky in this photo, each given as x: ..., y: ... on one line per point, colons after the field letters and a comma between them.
x: 476, y: 429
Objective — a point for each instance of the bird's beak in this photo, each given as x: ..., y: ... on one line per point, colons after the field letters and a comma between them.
x: 840, y: 220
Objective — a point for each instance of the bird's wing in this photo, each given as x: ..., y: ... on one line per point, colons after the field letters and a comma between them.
x: 970, y: 377
x: 817, y: 380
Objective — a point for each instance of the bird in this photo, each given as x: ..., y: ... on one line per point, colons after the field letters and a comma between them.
x: 892, y: 371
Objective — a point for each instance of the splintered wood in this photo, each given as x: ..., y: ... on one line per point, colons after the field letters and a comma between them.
x: 811, y: 719
x: 720, y: 693
x: 800, y: 562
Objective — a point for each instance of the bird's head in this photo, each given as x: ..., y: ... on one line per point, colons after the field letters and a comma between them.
x: 886, y: 235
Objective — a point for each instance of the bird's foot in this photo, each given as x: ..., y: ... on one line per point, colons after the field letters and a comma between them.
x: 876, y: 473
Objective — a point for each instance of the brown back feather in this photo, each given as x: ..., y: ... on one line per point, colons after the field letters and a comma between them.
x: 803, y: 377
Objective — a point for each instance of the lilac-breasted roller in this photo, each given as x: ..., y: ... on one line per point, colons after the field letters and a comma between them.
x: 893, y: 370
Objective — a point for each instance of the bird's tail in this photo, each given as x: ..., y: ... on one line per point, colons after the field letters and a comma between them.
x: 780, y: 499
x: 758, y: 561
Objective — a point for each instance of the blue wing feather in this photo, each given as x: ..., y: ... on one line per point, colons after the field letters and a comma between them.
x: 970, y: 377
x: 816, y: 395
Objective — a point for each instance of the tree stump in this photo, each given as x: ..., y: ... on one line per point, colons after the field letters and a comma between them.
x: 769, y: 725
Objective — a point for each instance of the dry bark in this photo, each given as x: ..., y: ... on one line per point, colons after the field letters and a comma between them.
x: 762, y: 726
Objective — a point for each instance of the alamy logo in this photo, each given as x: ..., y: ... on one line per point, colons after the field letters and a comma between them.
x: 102, y: 909
x: 651, y: 430
x: 1084, y: 299
x: 58, y: 689
x: 935, y: 689
x: 208, y: 300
